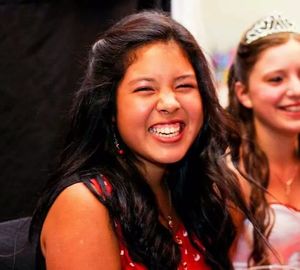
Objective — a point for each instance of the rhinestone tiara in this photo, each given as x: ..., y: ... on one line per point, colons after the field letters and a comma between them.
x: 271, y: 24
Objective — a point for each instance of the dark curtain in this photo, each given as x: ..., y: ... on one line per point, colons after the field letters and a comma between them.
x: 43, y: 49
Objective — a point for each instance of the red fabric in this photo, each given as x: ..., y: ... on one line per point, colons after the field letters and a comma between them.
x: 99, y: 188
x: 191, y: 258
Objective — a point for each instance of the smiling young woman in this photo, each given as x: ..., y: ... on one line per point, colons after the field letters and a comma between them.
x: 264, y: 95
x: 159, y: 109
x: 143, y: 181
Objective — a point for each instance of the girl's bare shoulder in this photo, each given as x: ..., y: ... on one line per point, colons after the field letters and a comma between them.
x: 76, y: 230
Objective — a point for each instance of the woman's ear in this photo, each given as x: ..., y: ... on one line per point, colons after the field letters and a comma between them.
x: 242, y: 94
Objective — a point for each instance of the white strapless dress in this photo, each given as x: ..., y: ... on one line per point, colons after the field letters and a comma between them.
x: 285, y: 238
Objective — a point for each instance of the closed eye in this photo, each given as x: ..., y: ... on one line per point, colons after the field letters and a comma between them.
x: 186, y: 86
x: 143, y: 89
x: 275, y: 80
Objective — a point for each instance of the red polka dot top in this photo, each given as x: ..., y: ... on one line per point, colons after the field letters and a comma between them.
x: 191, y: 258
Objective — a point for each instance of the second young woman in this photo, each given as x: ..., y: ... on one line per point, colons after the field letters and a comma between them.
x: 264, y: 86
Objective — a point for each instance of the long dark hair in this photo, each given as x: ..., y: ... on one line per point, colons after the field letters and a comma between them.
x: 254, y: 160
x: 201, y: 184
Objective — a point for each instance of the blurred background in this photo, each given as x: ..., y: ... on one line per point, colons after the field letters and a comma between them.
x: 219, y: 24
x: 43, y: 49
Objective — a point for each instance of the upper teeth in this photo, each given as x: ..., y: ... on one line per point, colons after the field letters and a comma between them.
x: 293, y: 109
x: 166, y: 130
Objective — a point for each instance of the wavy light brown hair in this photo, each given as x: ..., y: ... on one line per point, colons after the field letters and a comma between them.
x: 254, y: 160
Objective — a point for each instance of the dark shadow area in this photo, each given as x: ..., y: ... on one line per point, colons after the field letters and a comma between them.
x: 15, y: 250
x: 43, y: 49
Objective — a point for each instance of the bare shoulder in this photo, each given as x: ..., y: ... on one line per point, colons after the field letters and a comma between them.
x: 77, y: 233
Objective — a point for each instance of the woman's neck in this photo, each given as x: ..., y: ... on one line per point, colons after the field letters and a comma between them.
x: 280, y: 148
x: 155, y: 175
x: 284, y: 167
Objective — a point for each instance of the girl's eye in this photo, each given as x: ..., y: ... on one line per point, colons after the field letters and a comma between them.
x: 186, y: 86
x: 276, y: 79
x: 144, y: 89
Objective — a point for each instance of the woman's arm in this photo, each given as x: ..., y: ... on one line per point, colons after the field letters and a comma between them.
x: 236, y: 214
x: 78, y: 234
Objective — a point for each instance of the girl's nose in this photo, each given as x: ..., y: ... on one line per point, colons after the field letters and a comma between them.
x: 168, y: 103
x: 294, y: 87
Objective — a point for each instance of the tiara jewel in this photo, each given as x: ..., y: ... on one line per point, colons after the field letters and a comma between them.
x: 268, y: 25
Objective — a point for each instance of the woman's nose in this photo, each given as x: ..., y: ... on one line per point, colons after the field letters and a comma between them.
x: 168, y: 102
x: 294, y: 87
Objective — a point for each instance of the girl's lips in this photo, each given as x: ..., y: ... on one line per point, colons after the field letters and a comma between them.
x: 291, y: 112
x: 167, y: 132
x: 291, y: 108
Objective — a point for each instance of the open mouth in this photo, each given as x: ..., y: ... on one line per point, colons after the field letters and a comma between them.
x: 167, y: 130
x: 293, y: 108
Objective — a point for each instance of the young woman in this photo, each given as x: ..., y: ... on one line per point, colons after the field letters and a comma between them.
x: 264, y: 96
x: 142, y: 182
